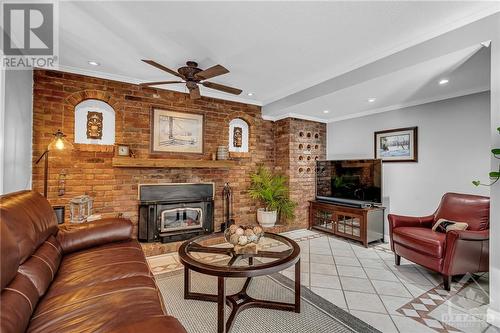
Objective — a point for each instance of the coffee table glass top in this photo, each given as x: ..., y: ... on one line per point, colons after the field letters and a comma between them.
x: 214, y: 253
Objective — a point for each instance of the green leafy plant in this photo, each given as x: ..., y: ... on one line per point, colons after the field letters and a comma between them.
x: 272, y: 191
x: 494, y: 175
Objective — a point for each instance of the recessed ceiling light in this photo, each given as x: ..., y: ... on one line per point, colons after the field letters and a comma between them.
x: 371, y: 100
x: 250, y: 94
x: 326, y: 111
x: 93, y: 63
x: 444, y: 81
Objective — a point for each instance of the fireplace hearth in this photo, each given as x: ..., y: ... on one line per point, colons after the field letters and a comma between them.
x: 175, y: 212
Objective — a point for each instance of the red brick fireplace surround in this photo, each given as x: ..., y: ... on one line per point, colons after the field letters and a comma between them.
x: 289, y: 145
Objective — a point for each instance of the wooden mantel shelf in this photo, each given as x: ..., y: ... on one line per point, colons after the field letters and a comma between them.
x: 129, y: 162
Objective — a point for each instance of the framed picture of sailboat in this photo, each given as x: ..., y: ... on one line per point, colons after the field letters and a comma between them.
x: 176, y: 132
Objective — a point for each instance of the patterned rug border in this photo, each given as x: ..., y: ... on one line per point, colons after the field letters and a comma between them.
x: 343, y: 317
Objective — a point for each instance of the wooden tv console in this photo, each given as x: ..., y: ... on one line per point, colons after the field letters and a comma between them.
x: 362, y: 224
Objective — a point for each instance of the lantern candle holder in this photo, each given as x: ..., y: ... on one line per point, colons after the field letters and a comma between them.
x: 80, y: 208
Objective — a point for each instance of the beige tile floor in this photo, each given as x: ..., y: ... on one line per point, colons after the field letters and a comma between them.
x: 366, y: 283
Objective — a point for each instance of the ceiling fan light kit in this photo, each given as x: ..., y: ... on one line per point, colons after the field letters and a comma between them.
x: 193, y: 76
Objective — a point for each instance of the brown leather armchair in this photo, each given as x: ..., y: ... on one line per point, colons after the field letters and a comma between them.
x: 451, y: 253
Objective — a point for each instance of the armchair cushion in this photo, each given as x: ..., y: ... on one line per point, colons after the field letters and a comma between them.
x: 423, y: 240
x: 82, y: 236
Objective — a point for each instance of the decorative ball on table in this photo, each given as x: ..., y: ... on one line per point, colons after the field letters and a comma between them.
x: 244, y: 238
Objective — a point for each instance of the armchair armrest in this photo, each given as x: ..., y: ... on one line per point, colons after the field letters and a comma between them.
x: 466, y: 251
x: 82, y: 236
x: 396, y: 221
x: 472, y: 235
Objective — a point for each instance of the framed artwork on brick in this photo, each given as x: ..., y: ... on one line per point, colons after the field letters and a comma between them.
x: 176, y: 132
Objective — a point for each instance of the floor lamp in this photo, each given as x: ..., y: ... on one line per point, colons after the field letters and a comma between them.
x: 58, y: 143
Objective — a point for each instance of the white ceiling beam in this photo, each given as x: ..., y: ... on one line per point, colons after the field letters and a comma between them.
x: 461, y: 38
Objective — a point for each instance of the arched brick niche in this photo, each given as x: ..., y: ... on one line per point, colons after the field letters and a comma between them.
x: 250, y: 121
x: 107, y: 114
x: 76, y: 99
x: 239, y: 136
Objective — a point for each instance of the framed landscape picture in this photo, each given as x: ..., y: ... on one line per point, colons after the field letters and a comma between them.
x: 176, y: 132
x: 397, y: 145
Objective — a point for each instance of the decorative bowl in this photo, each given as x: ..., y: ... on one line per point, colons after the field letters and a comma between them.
x: 242, y: 235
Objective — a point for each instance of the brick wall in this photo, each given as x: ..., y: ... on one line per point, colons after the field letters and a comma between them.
x: 299, y: 143
x: 89, y: 169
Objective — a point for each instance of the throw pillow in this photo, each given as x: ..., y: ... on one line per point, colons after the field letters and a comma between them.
x: 443, y: 225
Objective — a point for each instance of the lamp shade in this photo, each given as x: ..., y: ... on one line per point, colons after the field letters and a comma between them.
x: 59, y: 142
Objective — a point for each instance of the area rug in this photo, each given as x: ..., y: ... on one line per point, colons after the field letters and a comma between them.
x: 317, y: 315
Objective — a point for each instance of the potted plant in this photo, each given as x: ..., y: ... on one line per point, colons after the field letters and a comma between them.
x: 272, y: 191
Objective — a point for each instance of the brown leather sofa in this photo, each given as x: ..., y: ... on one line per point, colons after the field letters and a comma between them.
x: 91, y: 277
x: 451, y: 253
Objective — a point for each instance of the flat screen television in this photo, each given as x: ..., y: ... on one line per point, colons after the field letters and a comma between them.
x: 349, y: 181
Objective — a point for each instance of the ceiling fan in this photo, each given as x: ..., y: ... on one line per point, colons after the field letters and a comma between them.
x: 192, y: 76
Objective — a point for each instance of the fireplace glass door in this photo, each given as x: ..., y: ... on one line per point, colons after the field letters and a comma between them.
x: 184, y: 218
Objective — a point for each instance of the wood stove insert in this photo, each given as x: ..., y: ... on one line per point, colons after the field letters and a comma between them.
x: 175, y: 212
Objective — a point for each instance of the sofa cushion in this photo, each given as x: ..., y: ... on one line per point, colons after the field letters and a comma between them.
x: 100, y: 264
x: 10, y: 255
x: 29, y: 259
x: 423, y: 240
x: 17, y: 303
x: 101, y: 308
x: 99, y: 290
x: 30, y: 218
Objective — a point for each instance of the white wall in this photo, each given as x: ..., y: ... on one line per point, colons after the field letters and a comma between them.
x: 453, y: 150
x: 494, y: 308
x: 17, y: 130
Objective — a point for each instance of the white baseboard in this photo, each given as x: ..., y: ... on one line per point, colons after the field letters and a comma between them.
x: 493, y: 317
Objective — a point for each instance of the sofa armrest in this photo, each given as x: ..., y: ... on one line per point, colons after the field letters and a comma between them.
x: 466, y: 251
x: 164, y: 324
x: 78, y: 237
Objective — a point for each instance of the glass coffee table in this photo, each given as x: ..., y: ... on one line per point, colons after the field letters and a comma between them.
x: 211, y: 255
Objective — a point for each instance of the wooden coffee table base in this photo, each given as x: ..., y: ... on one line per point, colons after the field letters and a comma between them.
x: 239, y: 301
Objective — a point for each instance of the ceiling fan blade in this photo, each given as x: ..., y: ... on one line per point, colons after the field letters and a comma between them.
x: 163, y: 68
x: 211, y: 72
x: 223, y: 88
x: 147, y: 84
x: 195, y: 93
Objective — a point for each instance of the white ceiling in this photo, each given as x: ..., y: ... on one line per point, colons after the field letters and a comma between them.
x: 272, y: 49
x: 468, y: 71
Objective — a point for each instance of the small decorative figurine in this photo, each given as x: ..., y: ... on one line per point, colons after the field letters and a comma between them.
x: 238, y: 137
x: 94, y: 125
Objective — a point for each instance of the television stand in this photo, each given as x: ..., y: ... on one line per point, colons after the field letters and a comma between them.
x: 361, y: 224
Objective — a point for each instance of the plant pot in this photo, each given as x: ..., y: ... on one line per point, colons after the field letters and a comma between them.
x: 266, y: 218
